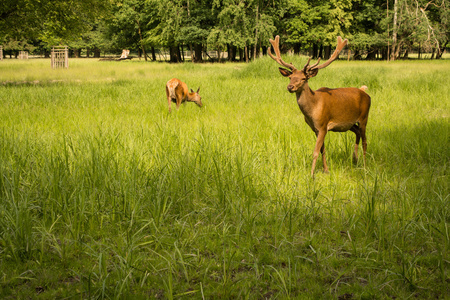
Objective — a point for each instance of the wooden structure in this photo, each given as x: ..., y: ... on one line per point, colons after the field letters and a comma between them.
x: 60, y: 57
x: 125, y: 55
x: 23, y: 54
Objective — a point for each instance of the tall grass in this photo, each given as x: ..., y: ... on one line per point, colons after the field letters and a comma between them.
x: 104, y: 194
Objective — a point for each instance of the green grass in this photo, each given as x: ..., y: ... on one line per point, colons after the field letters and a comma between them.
x: 104, y: 194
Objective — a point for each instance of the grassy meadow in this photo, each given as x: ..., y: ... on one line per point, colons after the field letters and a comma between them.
x: 104, y: 194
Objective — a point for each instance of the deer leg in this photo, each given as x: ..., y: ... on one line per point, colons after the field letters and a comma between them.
x: 364, y: 141
x: 357, y: 130
x: 168, y: 99
x: 178, y: 102
x: 324, y: 161
x: 317, y: 149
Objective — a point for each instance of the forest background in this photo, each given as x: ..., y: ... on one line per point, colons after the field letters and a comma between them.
x: 233, y: 29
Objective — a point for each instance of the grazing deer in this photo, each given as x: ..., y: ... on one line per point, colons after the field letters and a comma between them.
x: 177, y: 92
x: 326, y: 109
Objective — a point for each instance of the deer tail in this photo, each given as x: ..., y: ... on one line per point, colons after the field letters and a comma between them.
x: 364, y: 88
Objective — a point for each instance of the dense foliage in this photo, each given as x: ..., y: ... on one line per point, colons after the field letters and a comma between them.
x: 239, y: 27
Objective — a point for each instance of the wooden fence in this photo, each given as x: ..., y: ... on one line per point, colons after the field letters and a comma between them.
x: 23, y: 54
x: 60, y: 57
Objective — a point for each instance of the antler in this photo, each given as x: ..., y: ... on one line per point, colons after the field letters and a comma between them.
x: 340, y: 45
x: 275, y: 43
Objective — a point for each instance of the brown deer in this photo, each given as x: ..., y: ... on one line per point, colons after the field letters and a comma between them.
x: 325, y: 109
x: 177, y: 92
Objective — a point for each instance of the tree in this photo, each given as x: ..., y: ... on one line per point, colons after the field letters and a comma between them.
x: 421, y: 24
x: 200, y: 19
x: 437, y: 17
x: 317, y: 23
x: 368, y: 30
x: 94, y: 40
x: 264, y: 27
x: 233, y: 27
x: 243, y: 25
x: 166, y: 33
x: 51, y: 22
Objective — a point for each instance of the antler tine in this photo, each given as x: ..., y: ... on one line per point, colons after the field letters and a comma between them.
x: 275, y: 44
x: 340, y: 45
x: 315, y: 65
x: 307, y: 64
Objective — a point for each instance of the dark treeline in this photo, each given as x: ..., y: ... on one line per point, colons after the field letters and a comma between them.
x: 232, y: 29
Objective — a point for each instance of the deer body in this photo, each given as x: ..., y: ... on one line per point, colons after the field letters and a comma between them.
x: 177, y: 92
x: 326, y: 109
x: 334, y: 109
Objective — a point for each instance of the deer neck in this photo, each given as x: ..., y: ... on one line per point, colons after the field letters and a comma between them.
x: 306, y: 99
x: 191, y: 97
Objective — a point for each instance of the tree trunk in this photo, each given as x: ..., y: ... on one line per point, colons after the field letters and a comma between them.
x: 441, y: 51
x: 396, y: 53
x: 140, y: 39
x: 256, y: 31
x: 315, y: 50
x: 182, y: 52
x: 406, y: 54
x: 371, y: 54
x: 96, y: 53
x: 384, y: 53
x: 258, y: 50
x: 198, y: 49
x: 180, y: 58
x: 231, y: 52
x: 394, y: 33
x: 153, y: 53
x: 327, y: 50
x: 297, y: 48
x: 321, y: 51
x: 174, y: 54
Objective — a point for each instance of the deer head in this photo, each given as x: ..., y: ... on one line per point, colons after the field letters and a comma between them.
x: 299, y: 77
x: 195, y: 97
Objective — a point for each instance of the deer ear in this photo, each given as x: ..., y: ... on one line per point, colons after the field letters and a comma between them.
x: 285, y: 72
x: 192, y: 90
x: 198, y: 90
x: 312, y: 73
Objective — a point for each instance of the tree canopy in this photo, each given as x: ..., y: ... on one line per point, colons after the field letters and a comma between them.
x: 388, y: 28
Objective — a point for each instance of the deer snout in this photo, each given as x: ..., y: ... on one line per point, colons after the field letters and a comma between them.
x: 291, y: 88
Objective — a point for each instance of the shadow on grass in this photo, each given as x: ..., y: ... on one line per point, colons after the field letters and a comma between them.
x: 422, y: 147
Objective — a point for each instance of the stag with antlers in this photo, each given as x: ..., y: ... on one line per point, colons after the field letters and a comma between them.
x: 326, y: 109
